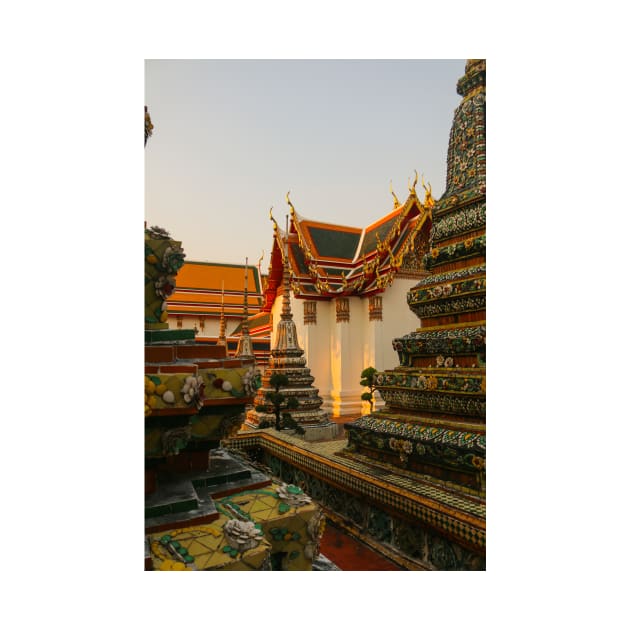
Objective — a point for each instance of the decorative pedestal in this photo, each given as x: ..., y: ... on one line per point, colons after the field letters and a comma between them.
x: 289, y: 529
x: 434, y: 420
x: 287, y: 359
x: 204, y: 508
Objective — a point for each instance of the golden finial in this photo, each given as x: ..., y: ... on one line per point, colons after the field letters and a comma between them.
x: 291, y: 205
x: 428, y: 197
x: 391, y: 190
x: 275, y: 225
x: 260, y: 263
x: 286, y: 240
x: 412, y: 188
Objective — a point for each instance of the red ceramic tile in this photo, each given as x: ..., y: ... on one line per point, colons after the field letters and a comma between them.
x: 200, y: 351
x: 159, y: 354
x: 189, y: 368
x: 351, y: 555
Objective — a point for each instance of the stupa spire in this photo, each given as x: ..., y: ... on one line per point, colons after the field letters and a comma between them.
x: 466, y: 156
x: 286, y: 336
x: 222, y: 341
x: 287, y: 359
x: 286, y: 276
x: 474, y: 79
x: 245, y: 347
x: 259, y: 264
x: 439, y: 387
x: 245, y: 310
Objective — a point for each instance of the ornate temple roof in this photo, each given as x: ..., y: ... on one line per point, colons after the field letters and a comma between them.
x: 200, y: 286
x: 328, y: 260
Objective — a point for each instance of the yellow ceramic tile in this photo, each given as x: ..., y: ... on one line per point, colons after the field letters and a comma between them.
x: 211, y: 561
x: 196, y: 547
x: 269, y: 501
x: 259, y: 502
x: 261, y: 506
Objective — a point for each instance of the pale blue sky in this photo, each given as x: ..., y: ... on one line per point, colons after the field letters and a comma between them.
x: 232, y: 137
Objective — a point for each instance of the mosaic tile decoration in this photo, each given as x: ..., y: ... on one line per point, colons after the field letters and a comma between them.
x: 293, y: 530
x: 455, y: 514
x: 204, y: 548
x: 459, y: 221
x: 290, y: 527
x: 472, y: 440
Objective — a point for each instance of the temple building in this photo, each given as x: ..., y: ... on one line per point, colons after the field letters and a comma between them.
x: 409, y: 480
x: 210, y: 299
x: 406, y: 295
x: 349, y: 285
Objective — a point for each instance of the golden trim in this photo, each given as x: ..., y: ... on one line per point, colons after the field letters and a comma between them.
x: 412, y: 188
x: 447, y: 297
x: 411, y: 497
x: 449, y: 326
x: 391, y: 190
x: 449, y: 425
x: 474, y: 92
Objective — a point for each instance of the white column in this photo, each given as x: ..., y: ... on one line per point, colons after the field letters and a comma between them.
x: 374, y: 344
x: 315, y: 341
x: 346, y: 358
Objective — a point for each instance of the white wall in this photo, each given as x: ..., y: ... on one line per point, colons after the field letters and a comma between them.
x: 398, y: 320
x: 211, y: 325
x: 337, y: 353
x: 314, y: 340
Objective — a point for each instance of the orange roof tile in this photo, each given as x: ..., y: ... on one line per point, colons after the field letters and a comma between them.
x: 198, y: 275
x: 197, y: 297
x: 199, y: 289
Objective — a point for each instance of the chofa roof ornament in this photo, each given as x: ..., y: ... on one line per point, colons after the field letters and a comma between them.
x: 275, y: 224
x: 291, y: 205
x: 412, y: 188
x: 391, y: 190
x: 429, y: 202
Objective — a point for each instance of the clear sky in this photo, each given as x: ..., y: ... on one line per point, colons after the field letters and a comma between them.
x: 231, y: 138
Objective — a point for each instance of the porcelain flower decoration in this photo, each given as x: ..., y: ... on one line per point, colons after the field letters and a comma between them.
x: 242, y: 535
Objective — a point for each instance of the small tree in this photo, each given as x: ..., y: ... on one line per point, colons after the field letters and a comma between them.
x: 367, y: 380
x: 278, y: 404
